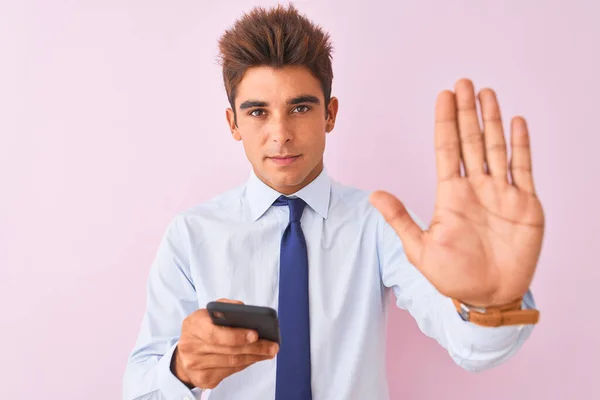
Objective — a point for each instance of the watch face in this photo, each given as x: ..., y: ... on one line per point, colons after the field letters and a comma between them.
x: 462, y: 310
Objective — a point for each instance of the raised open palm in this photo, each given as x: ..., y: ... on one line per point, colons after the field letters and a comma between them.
x: 484, y: 241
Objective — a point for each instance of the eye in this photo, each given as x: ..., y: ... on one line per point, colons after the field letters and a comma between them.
x: 301, y: 109
x: 257, y: 113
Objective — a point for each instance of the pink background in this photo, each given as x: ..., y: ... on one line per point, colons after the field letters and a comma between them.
x: 112, y: 120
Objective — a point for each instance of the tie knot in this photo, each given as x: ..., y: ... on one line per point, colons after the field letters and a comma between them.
x: 296, y: 206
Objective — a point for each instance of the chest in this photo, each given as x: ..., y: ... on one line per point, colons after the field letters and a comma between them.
x: 241, y: 261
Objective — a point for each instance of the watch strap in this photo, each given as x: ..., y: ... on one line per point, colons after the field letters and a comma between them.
x: 507, y: 314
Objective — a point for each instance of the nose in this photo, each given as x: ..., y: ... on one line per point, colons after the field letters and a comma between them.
x: 279, y: 130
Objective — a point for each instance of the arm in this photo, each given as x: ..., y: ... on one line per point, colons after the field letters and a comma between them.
x: 473, y: 347
x: 171, y: 297
x: 483, y: 244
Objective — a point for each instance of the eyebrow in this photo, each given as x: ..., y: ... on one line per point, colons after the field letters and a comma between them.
x: 305, y: 98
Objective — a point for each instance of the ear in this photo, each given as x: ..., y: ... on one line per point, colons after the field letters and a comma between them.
x: 235, y: 132
x: 332, y: 110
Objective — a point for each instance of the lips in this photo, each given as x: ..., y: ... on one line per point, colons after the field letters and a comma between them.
x: 284, y: 160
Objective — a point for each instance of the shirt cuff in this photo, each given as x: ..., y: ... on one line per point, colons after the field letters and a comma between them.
x: 469, y: 341
x: 171, y: 387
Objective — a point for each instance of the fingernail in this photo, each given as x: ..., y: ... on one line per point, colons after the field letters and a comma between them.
x: 274, y: 350
x: 252, y: 336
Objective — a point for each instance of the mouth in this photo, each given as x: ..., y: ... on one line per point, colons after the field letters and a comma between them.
x: 284, y: 160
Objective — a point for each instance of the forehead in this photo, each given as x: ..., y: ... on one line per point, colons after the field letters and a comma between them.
x: 277, y: 84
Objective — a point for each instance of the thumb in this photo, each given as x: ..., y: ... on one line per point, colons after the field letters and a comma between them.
x: 230, y: 301
x: 397, y: 216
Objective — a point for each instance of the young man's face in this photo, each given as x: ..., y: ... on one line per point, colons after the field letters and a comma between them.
x: 281, y: 123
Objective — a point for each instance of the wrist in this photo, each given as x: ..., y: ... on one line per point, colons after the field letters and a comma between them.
x: 515, y: 304
x: 177, y: 370
x: 508, y: 314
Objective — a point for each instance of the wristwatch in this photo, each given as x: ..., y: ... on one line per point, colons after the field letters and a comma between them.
x: 508, y: 314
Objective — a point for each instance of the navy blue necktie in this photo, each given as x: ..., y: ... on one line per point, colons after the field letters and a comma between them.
x: 293, y: 359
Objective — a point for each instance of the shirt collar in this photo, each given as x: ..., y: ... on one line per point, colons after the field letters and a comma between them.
x: 316, y: 194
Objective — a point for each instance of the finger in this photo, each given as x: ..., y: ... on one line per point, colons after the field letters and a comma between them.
x: 228, y: 336
x: 219, y: 314
x: 471, y: 139
x: 447, y: 143
x: 495, y: 145
x: 208, y: 361
x: 520, y: 166
x: 262, y: 347
x: 230, y: 301
x: 397, y: 216
x: 204, y: 329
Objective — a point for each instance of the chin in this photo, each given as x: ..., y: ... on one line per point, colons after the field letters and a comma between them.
x: 284, y: 178
x: 287, y: 178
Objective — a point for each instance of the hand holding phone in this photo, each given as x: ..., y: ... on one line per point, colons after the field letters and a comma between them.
x: 207, y: 353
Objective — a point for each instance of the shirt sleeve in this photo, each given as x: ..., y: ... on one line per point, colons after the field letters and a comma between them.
x: 171, y: 297
x: 473, y: 347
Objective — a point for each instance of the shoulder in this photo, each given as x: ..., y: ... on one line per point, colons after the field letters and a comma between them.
x: 220, y: 208
x: 355, y: 201
x: 352, y: 201
x: 219, y: 204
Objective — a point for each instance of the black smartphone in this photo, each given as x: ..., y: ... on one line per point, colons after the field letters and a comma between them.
x: 261, y: 319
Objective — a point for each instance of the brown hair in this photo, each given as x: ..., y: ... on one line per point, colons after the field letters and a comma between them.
x: 276, y: 37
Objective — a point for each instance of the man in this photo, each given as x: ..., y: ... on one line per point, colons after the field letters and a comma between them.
x: 327, y: 256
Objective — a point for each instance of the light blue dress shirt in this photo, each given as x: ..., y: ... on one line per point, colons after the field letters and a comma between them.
x: 228, y: 247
